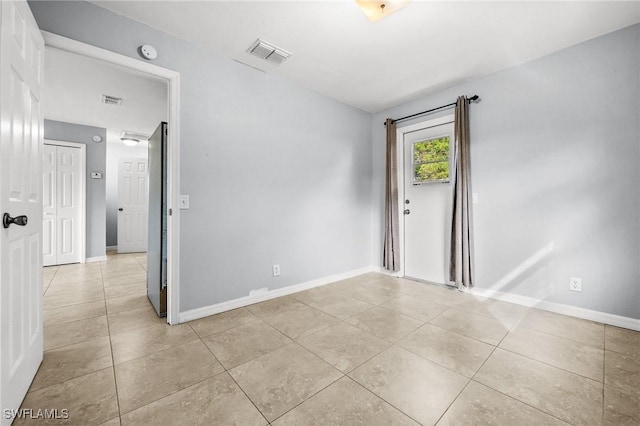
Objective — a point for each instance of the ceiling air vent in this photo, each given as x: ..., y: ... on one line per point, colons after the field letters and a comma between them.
x: 268, y: 52
x: 111, y: 100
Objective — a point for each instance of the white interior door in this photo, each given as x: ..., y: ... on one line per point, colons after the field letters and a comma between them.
x: 63, y: 202
x: 49, y: 243
x: 21, y: 56
x: 427, y: 193
x: 69, y: 205
x: 133, y: 205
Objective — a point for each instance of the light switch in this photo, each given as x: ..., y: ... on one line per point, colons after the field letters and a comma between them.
x: 474, y: 198
x: 184, y: 202
x: 96, y: 175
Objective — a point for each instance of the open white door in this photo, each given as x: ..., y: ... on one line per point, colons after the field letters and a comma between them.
x: 133, y: 205
x: 21, y: 57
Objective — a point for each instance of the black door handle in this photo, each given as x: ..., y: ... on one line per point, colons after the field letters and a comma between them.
x: 7, y: 220
x: 120, y: 209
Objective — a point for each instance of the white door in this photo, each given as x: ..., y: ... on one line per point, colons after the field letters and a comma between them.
x: 427, y: 204
x: 49, y: 206
x: 63, y: 202
x: 133, y: 205
x: 21, y: 56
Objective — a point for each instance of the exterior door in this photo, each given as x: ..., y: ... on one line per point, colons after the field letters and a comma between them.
x: 133, y: 208
x: 157, y: 248
x: 427, y: 193
x: 63, y: 204
x: 21, y: 57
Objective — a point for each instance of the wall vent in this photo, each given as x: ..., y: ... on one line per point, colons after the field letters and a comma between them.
x: 268, y: 52
x: 111, y: 100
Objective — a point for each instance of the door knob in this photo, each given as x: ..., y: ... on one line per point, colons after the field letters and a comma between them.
x: 120, y: 209
x: 7, y: 220
x: 407, y: 211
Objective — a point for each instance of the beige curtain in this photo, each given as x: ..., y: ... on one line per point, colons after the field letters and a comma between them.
x: 461, y: 260
x: 391, y: 253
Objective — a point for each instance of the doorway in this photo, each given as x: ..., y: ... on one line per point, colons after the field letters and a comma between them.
x: 172, y: 80
x: 425, y: 195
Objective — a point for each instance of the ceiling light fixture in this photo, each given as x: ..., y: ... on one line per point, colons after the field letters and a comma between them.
x: 378, y: 9
x: 132, y: 139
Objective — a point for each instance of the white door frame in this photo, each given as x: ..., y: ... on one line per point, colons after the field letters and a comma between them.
x: 400, y: 132
x: 83, y: 191
x: 173, y: 80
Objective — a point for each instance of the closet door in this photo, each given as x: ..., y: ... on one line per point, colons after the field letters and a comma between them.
x: 69, y: 204
x: 49, y: 243
x: 62, y: 205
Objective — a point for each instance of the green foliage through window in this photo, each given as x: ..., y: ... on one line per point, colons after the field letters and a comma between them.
x: 431, y: 160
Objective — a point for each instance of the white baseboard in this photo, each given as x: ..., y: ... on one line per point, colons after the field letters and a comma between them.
x: 205, y: 311
x: 559, y: 308
x: 95, y: 259
x: 574, y: 311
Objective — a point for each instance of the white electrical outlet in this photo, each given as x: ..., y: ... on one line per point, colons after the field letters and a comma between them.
x: 276, y: 270
x: 575, y: 284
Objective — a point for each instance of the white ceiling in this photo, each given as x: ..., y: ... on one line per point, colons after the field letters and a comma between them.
x: 422, y: 48
x: 75, y: 85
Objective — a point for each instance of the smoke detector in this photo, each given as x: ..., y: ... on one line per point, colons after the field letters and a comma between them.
x: 111, y: 100
x: 268, y: 52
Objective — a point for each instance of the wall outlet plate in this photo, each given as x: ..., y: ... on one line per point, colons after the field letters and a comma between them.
x: 575, y: 284
x: 276, y: 270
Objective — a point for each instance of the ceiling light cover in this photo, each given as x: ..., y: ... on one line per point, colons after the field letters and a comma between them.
x: 378, y: 9
x: 268, y: 52
x: 132, y: 139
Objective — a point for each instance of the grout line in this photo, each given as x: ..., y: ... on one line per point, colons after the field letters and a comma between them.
x: 247, y: 396
x: 473, y: 378
x: 113, y: 361
x: 521, y: 402
x: 453, y: 401
x: 381, y: 398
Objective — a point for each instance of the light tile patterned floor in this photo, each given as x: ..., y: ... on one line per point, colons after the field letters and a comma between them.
x: 371, y: 350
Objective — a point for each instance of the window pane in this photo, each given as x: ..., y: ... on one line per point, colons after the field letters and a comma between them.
x: 431, y: 150
x: 431, y: 171
x: 431, y: 160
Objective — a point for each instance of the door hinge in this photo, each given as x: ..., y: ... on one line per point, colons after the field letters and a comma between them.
x: 170, y: 212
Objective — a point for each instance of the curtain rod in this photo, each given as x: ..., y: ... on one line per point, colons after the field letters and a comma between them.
x: 471, y: 99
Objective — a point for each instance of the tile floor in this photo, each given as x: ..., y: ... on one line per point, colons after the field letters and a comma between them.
x: 372, y: 350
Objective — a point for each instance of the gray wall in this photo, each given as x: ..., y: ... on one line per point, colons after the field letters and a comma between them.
x: 276, y: 173
x: 555, y: 162
x: 96, y: 160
